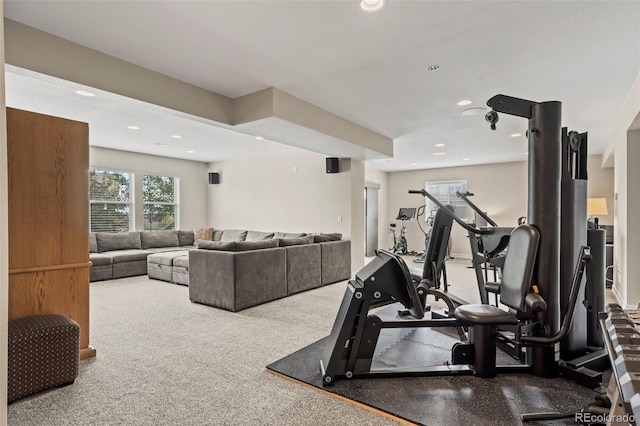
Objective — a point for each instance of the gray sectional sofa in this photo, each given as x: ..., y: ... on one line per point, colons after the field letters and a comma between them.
x: 124, y: 254
x: 230, y: 269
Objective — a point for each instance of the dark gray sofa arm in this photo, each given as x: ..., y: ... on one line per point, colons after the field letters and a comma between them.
x: 304, y: 270
x: 236, y: 280
x: 336, y: 261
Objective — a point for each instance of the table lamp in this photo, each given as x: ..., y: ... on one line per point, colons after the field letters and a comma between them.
x: 596, y: 206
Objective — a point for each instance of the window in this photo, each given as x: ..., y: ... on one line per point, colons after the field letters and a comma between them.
x: 445, y: 192
x: 110, y: 195
x: 159, y: 194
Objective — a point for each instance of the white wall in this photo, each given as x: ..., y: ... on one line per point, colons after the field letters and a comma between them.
x: 290, y: 192
x: 500, y: 190
x: 192, y: 174
x: 624, y: 148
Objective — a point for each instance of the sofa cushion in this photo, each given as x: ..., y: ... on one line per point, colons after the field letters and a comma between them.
x: 150, y: 239
x: 217, y: 234
x: 233, y: 235
x: 165, y: 258
x: 185, y: 238
x: 258, y: 236
x: 181, y: 261
x: 203, y: 234
x: 93, y: 243
x: 108, y: 241
x: 236, y: 245
x: 289, y: 235
x: 98, y: 259
x: 122, y: 256
x: 284, y: 242
x: 324, y: 238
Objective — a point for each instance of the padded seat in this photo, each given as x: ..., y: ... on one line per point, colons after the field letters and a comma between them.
x: 485, y: 314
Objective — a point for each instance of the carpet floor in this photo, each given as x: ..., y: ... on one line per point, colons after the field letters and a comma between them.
x: 162, y: 360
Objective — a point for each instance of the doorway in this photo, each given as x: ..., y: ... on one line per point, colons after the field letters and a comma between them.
x: 371, y: 218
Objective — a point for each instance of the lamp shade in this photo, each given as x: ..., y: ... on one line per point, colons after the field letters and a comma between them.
x: 597, y: 207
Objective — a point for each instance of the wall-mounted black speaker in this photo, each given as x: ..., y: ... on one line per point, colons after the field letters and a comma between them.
x: 333, y: 165
x: 214, y: 178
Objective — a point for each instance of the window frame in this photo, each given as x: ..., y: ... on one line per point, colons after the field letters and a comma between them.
x: 130, y: 202
x: 451, y: 197
x: 175, y: 203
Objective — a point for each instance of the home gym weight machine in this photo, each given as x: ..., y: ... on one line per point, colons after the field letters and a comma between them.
x: 557, y: 178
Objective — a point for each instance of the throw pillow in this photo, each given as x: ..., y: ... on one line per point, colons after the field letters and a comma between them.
x: 284, y: 242
x: 203, y: 234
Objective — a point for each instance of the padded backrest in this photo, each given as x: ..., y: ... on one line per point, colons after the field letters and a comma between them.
x: 437, y: 245
x: 517, y: 271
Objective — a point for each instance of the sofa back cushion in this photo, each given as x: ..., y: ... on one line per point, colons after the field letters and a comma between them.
x: 217, y: 234
x: 108, y: 241
x: 233, y: 235
x: 289, y: 235
x: 203, y: 234
x: 258, y: 236
x: 324, y: 238
x: 186, y: 238
x: 152, y: 239
x: 236, y: 245
x: 284, y: 242
x: 93, y: 243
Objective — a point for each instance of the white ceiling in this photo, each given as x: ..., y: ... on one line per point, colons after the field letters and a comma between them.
x: 369, y: 68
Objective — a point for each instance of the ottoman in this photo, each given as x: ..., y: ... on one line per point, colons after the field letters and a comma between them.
x: 181, y: 269
x: 43, y: 353
x: 160, y: 265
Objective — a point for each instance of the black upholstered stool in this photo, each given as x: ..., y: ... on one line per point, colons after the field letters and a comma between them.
x: 44, y: 351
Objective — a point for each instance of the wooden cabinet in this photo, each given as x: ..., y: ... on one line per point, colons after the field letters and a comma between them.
x: 48, y: 166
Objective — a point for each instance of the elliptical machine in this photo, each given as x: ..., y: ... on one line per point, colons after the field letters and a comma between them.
x: 400, y: 243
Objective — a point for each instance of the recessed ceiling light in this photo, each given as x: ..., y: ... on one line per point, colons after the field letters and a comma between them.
x: 516, y: 135
x: 439, y: 145
x: 133, y: 127
x: 162, y: 144
x: 439, y: 153
x: 191, y: 152
x: 465, y: 159
x: 259, y: 138
x: 84, y: 93
x: 526, y: 153
x: 371, y: 5
x: 465, y: 102
x: 176, y: 136
x: 433, y: 68
x: 414, y: 164
x: 474, y: 111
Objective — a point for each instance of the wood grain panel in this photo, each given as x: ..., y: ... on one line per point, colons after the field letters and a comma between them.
x: 48, y: 165
x: 48, y: 161
x: 63, y: 291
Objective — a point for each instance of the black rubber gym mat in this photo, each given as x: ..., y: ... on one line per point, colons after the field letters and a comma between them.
x: 459, y: 400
